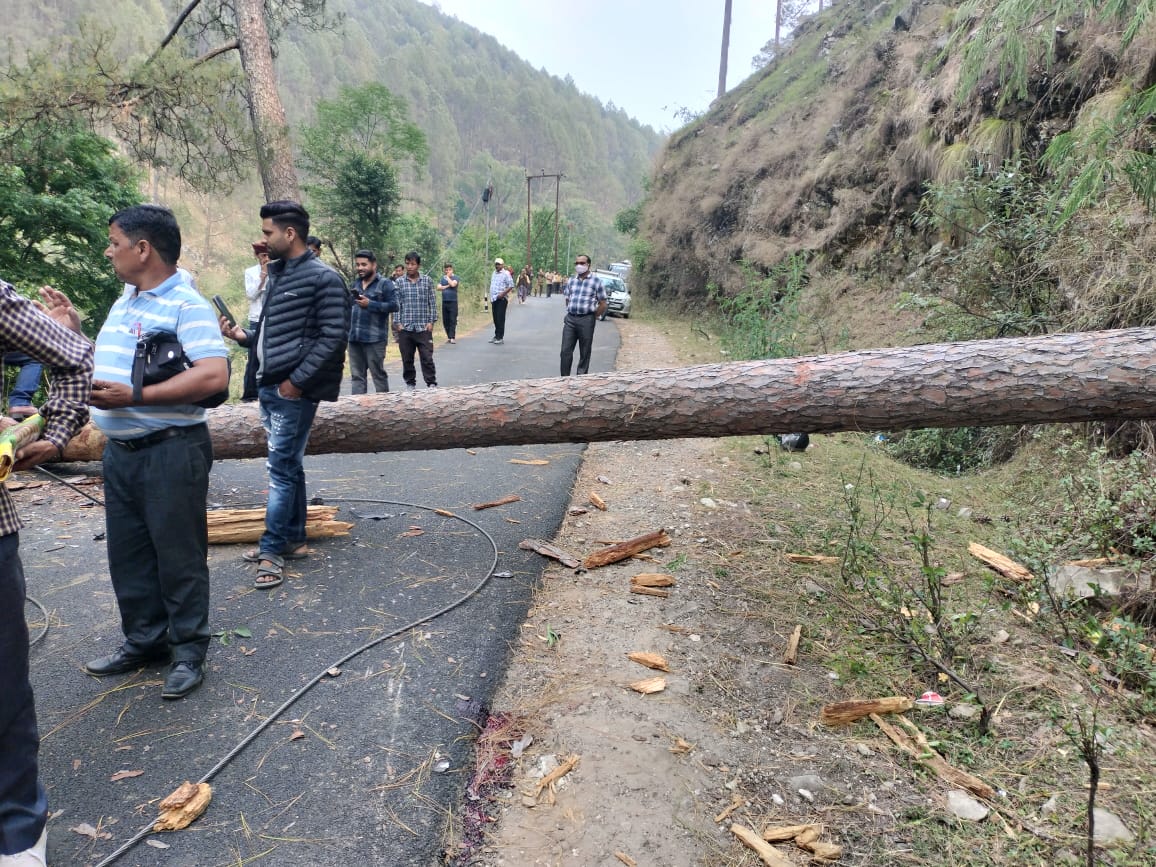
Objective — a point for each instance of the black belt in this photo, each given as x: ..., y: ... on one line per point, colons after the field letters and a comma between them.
x: 151, y: 439
x: 590, y: 313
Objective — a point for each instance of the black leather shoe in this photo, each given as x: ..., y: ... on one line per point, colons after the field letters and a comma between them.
x: 122, y: 661
x: 183, y: 678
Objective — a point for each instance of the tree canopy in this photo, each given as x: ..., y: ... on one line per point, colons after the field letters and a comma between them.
x: 59, y: 184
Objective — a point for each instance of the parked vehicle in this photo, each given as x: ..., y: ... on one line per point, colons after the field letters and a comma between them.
x: 617, y: 293
x: 622, y: 269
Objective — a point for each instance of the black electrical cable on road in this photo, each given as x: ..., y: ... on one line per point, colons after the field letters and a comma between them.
x: 249, y: 738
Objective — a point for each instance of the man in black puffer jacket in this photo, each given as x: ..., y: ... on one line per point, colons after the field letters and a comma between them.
x: 300, y: 347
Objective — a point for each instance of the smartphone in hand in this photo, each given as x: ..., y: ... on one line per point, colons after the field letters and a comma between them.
x: 223, y: 309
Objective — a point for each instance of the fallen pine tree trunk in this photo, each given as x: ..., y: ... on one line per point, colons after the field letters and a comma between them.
x: 1058, y: 378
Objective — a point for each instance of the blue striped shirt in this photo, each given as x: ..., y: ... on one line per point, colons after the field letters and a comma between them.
x: 173, y: 306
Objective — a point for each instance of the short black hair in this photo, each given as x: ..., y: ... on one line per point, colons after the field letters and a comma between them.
x: 365, y: 254
x: 285, y: 213
x: 313, y: 241
x: 448, y: 265
x: 413, y: 256
x: 154, y: 224
x: 585, y: 256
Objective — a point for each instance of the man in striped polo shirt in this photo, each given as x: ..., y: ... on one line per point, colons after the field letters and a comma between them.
x: 585, y: 302
x: 158, y: 455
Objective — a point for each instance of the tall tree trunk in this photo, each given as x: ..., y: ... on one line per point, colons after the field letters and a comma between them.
x: 726, y: 47
x: 778, y: 24
x: 274, y: 153
x: 1058, y: 378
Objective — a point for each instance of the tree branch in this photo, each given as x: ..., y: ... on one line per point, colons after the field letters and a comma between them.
x: 220, y: 49
x: 188, y: 10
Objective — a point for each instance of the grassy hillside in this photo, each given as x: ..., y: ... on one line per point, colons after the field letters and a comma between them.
x: 828, y: 152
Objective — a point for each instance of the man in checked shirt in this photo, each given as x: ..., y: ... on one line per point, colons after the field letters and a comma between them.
x: 68, y: 356
x: 414, y: 321
x: 585, y: 302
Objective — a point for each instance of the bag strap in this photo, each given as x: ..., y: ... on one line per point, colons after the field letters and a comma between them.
x: 139, y: 361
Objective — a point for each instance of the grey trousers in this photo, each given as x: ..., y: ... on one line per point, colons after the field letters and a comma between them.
x: 367, y: 357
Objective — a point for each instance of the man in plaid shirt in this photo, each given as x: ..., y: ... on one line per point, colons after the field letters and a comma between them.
x: 417, y: 312
x: 68, y: 356
x: 585, y: 302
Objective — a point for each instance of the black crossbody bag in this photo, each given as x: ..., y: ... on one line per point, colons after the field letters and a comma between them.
x: 160, y: 356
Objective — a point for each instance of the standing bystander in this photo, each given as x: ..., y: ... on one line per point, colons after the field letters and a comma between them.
x: 448, y: 287
x: 416, y: 315
x: 25, y: 329
x: 374, y: 298
x: 255, y: 277
x: 157, y: 454
x: 301, y: 350
x: 501, y: 285
x: 585, y: 302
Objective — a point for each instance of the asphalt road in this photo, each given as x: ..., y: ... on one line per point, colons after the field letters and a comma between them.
x: 367, y: 766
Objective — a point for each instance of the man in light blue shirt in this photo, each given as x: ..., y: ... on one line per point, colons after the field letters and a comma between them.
x: 158, y: 455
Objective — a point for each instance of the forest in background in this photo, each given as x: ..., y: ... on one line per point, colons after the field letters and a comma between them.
x: 488, y: 118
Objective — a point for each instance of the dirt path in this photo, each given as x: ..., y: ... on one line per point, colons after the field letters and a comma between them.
x: 660, y: 777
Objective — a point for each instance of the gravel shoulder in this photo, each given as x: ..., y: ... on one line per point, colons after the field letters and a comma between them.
x: 659, y: 777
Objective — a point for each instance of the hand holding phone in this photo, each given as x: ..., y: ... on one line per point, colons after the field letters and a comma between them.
x: 223, y: 309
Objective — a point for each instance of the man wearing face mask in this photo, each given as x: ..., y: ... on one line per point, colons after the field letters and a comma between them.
x: 585, y: 302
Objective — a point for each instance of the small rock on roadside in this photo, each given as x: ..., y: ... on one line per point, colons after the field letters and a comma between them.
x: 1001, y: 637
x: 811, y: 782
x: 864, y: 750
x: 1110, y: 829
x: 963, y: 806
x: 963, y: 711
x: 813, y: 589
x: 1049, y: 806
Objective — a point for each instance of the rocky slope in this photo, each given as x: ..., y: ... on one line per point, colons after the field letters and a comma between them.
x: 829, y: 149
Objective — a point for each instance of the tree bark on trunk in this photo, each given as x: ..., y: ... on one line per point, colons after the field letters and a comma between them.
x: 1057, y: 378
x: 271, y: 132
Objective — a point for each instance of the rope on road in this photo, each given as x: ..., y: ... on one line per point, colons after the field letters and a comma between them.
x: 249, y: 738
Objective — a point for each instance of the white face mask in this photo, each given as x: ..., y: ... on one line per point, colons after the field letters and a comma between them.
x: 581, y: 269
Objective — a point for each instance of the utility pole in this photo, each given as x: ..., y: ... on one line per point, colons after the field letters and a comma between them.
x: 726, y: 44
x: 557, y: 197
x: 487, y: 194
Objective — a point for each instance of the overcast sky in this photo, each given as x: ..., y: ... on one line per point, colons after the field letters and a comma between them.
x: 648, y: 57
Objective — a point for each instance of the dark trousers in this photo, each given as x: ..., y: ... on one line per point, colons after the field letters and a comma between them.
x: 249, y: 389
x: 450, y: 316
x: 422, y: 342
x: 158, y: 542
x: 580, y: 330
x: 23, y: 805
x: 367, y: 357
x: 498, y: 310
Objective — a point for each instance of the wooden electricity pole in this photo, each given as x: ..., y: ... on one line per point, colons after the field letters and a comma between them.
x: 1058, y: 378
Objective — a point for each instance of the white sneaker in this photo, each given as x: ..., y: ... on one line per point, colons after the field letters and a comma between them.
x: 34, y: 857
x: 497, y: 342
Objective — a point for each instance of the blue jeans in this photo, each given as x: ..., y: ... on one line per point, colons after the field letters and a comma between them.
x: 287, y: 423
x: 27, y: 380
x: 23, y: 805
